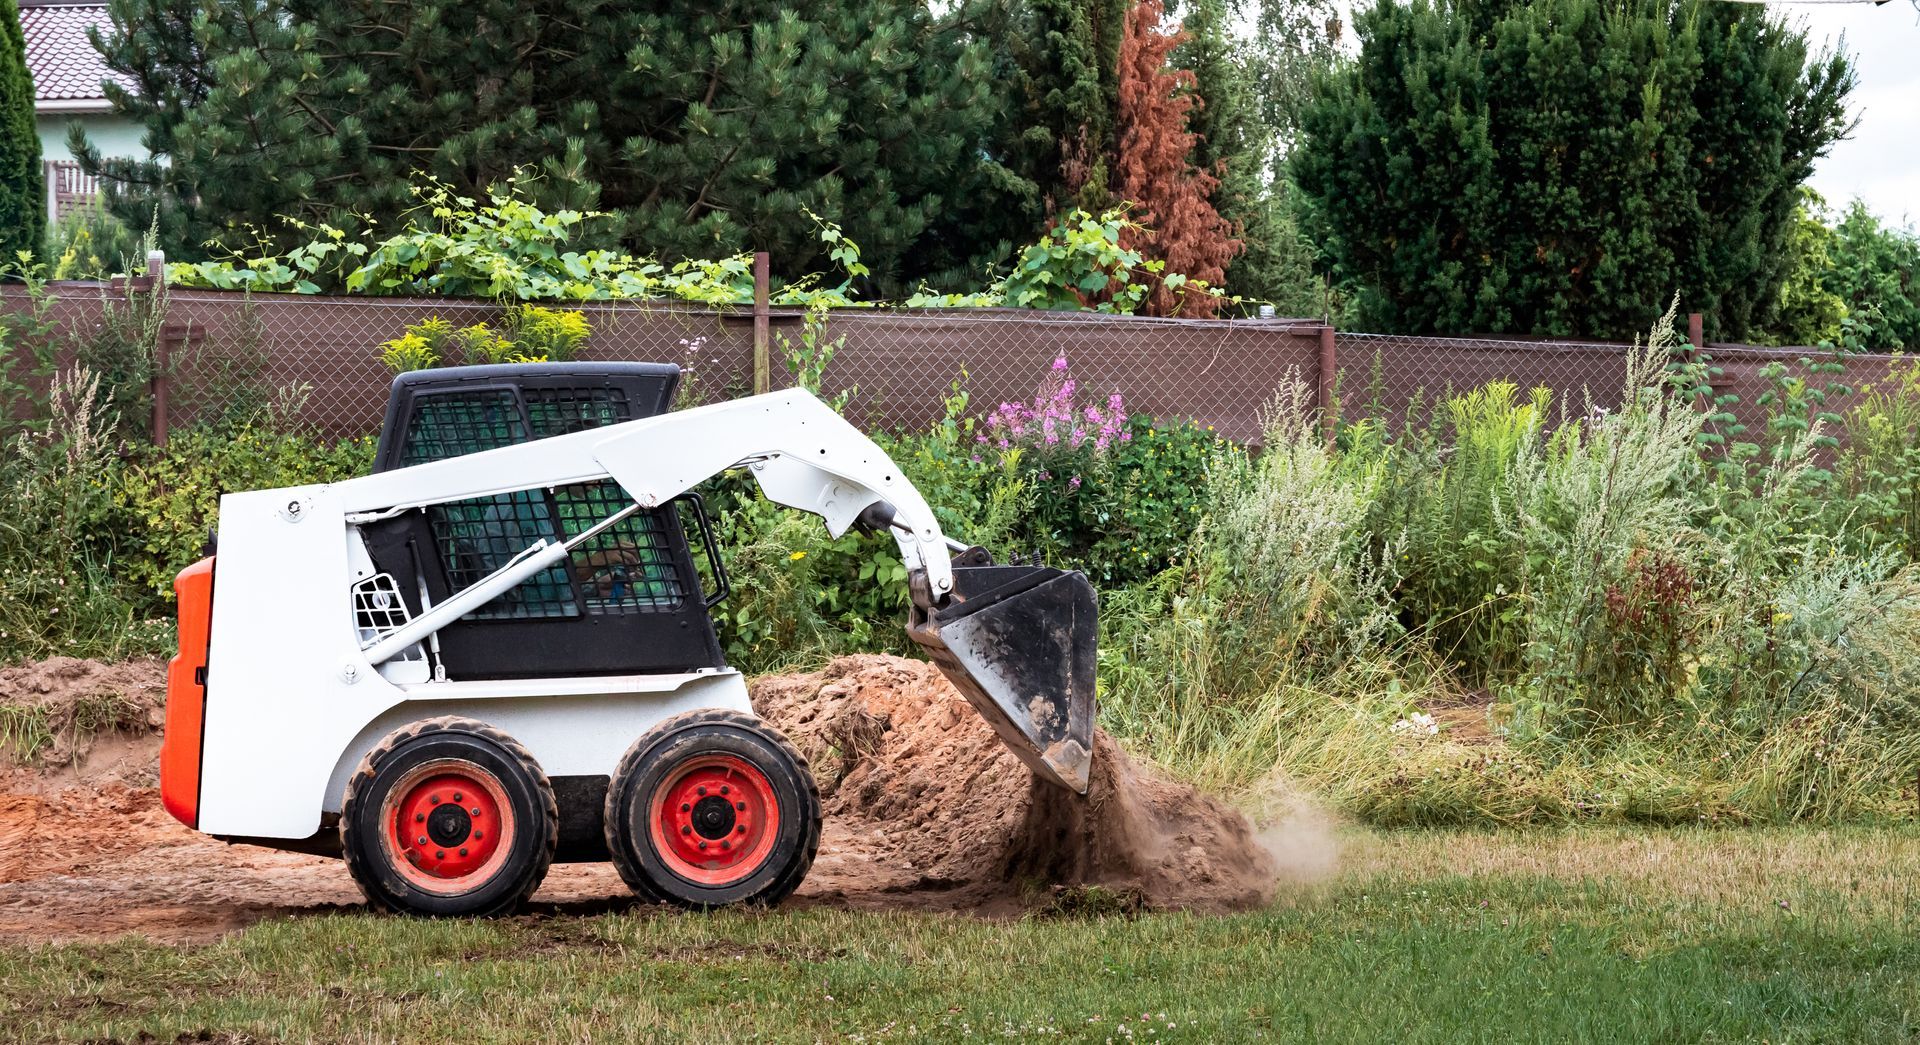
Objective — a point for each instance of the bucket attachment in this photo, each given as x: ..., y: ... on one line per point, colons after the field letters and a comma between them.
x: 1021, y: 643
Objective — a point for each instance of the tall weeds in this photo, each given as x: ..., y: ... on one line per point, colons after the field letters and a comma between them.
x: 55, y: 497
x: 1518, y: 618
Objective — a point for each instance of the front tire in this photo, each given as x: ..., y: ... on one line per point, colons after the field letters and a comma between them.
x: 449, y: 817
x: 712, y: 808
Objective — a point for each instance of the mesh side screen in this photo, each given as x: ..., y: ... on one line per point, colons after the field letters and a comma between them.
x: 560, y: 411
x: 631, y: 566
x: 450, y: 424
x: 480, y: 535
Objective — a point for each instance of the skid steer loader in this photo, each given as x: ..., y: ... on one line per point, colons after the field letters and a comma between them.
x: 497, y: 650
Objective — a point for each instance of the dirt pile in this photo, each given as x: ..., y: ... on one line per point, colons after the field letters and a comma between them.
x: 66, y: 722
x: 924, y: 810
x: 922, y: 800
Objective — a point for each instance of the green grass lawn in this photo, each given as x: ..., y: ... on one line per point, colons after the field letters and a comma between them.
x: 1620, y: 935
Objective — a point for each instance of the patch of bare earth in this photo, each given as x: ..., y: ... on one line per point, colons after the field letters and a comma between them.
x: 924, y: 810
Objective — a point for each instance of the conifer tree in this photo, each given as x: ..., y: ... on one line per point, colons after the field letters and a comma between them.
x: 1563, y: 167
x: 23, y: 189
x: 1060, y: 132
x: 702, y: 128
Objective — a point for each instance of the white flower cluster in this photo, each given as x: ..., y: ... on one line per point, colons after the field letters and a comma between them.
x: 1418, y: 722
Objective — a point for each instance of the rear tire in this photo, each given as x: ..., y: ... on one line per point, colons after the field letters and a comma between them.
x: 449, y: 817
x: 712, y: 808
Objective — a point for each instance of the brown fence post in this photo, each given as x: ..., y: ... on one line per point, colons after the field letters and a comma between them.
x: 157, y: 286
x: 762, y: 287
x: 1323, y: 380
x: 1696, y: 329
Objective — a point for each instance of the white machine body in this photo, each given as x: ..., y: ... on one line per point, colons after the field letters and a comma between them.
x: 297, y: 694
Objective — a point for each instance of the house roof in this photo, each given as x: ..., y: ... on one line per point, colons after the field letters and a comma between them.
x: 67, y: 71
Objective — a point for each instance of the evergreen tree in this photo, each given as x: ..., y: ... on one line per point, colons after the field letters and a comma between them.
x: 23, y: 188
x: 1562, y: 167
x: 702, y: 129
x: 1067, y: 54
x: 1876, y: 272
x: 1808, y: 312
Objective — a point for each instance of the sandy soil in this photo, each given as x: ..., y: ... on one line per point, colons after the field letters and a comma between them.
x: 924, y: 810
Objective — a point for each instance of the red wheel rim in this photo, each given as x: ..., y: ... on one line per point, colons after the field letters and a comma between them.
x: 449, y: 826
x: 714, y: 820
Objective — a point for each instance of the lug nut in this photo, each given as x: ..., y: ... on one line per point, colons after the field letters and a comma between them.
x: 435, y: 799
x: 723, y: 789
x: 726, y: 845
x: 463, y: 852
x: 703, y: 845
x: 440, y: 855
x: 740, y: 829
x: 702, y: 789
x: 685, y: 830
x: 479, y: 835
x: 423, y: 839
x: 419, y: 817
x: 476, y: 810
x: 742, y: 806
x: 456, y: 796
x: 685, y: 807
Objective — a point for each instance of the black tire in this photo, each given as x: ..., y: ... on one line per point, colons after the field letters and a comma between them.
x: 774, y: 856
x: 413, y: 760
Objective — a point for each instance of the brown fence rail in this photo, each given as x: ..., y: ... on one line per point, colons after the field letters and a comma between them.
x: 227, y: 350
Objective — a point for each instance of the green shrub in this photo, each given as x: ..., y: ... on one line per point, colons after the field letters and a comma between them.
x: 1878, y: 475
x: 547, y: 334
x: 1451, y: 491
x: 90, y: 243
x: 532, y: 335
x: 59, y: 593
x: 167, y: 500
x: 1116, y: 494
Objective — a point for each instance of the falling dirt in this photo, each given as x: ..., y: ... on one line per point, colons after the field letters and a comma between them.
x: 923, y: 802
x: 924, y: 810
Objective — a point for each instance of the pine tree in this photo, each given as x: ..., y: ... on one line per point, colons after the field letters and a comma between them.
x: 1563, y: 167
x: 23, y: 189
x: 702, y: 128
x: 1153, y: 164
x: 1060, y: 134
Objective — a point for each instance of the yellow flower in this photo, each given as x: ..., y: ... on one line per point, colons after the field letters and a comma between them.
x: 796, y: 556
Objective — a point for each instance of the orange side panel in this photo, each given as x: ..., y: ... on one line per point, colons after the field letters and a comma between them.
x: 187, y: 695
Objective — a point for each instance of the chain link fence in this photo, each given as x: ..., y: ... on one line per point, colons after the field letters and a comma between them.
x: 318, y: 359
x: 1400, y: 379
x: 899, y: 366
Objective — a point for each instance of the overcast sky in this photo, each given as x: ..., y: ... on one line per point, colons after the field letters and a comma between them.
x: 1881, y: 162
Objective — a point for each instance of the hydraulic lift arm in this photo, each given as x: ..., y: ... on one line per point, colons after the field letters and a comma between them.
x: 802, y: 454
x: 1017, y: 641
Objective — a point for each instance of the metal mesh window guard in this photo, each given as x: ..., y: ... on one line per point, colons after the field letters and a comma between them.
x: 562, y: 411
x: 455, y: 423
x: 479, y: 536
x: 629, y: 568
